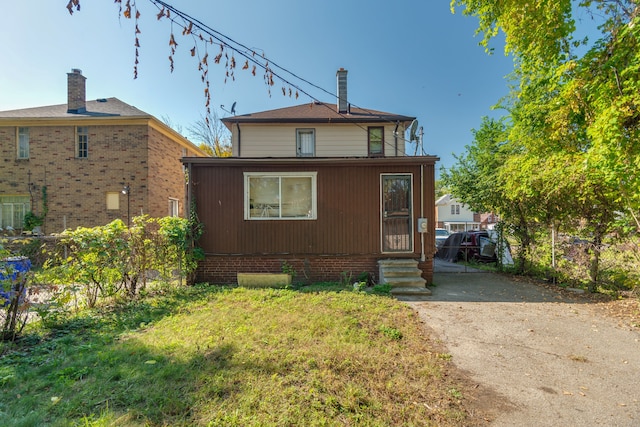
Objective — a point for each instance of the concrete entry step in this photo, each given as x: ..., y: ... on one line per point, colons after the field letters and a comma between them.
x: 403, y: 275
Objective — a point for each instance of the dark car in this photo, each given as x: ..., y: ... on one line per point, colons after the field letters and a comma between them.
x: 467, y: 246
x: 441, y: 236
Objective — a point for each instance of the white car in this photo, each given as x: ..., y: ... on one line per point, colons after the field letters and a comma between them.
x: 441, y: 236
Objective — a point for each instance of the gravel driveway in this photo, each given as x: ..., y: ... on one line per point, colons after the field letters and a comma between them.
x: 534, y: 356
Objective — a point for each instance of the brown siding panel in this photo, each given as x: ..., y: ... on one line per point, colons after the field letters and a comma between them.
x: 345, y: 237
x: 348, y: 220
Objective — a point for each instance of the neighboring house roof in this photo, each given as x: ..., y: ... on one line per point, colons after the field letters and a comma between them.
x: 316, y: 112
x: 105, y: 107
x: 99, y: 109
x: 442, y: 201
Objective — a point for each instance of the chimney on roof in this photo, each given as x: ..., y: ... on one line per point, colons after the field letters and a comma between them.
x: 76, y: 95
x: 343, y: 106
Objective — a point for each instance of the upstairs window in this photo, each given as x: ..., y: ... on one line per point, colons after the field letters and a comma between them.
x: 82, y: 144
x: 23, y: 143
x: 376, y: 141
x: 305, y: 142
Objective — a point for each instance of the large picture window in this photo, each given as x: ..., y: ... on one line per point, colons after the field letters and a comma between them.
x: 286, y: 195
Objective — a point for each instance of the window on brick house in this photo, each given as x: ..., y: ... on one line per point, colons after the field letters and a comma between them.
x: 174, y: 208
x: 82, y: 142
x: 23, y: 143
x: 113, y: 201
x: 280, y: 196
x: 12, y: 211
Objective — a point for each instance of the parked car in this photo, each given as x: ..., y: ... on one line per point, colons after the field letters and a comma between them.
x: 441, y: 236
x: 477, y: 246
x: 468, y: 245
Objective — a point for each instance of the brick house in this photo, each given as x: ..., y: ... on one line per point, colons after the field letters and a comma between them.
x: 94, y: 161
x: 324, y: 188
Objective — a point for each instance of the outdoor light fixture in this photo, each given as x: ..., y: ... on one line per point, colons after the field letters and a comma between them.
x: 127, y: 190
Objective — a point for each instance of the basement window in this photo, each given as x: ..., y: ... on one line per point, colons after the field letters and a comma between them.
x: 280, y: 195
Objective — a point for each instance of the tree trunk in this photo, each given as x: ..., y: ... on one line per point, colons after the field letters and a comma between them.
x: 594, y: 262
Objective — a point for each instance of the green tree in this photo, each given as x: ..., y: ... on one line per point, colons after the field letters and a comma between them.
x: 574, y: 146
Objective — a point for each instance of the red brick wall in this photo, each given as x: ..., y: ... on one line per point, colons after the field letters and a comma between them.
x: 223, y: 269
x: 119, y: 154
x: 77, y: 188
x: 427, y: 270
x: 166, y: 172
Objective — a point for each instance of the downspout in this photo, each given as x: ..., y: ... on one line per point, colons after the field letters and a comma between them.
x: 239, y: 138
x: 422, y: 255
x: 188, y: 210
x: 395, y: 137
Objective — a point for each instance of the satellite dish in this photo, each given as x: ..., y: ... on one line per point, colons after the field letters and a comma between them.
x: 412, y: 133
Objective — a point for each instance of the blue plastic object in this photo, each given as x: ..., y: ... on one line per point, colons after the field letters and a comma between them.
x: 12, y: 269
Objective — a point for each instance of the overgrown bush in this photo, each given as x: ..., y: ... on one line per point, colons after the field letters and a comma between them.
x: 115, y: 261
x: 618, y: 269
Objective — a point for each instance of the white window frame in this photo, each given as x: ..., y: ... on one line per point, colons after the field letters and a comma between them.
x: 174, y: 207
x: 11, y: 205
x: 82, y: 142
x: 313, y: 214
x: 23, y: 142
x: 299, y: 133
x: 371, y: 153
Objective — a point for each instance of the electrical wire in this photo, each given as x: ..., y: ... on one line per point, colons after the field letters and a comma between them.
x: 269, y: 66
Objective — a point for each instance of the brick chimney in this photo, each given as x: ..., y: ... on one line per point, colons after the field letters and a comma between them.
x: 343, y: 106
x: 76, y: 95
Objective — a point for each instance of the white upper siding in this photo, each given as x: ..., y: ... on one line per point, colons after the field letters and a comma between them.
x: 443, y: 210
x: 332, y: 140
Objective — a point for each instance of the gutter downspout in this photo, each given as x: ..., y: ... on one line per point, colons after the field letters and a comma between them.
x: 239, y: 139
x: 395, y: 137
x: 188, y: 210
x: 422, y: 255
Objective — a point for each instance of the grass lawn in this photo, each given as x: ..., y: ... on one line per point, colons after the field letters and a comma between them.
x: 212, y: 356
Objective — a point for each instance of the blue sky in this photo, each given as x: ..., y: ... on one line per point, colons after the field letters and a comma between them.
x: 406, y: 57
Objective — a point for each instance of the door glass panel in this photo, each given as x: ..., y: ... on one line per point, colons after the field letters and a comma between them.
x: 396, y: 213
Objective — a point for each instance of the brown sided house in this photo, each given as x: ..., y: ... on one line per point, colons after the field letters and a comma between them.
x: 89, y: 162
x: 324, y: 188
